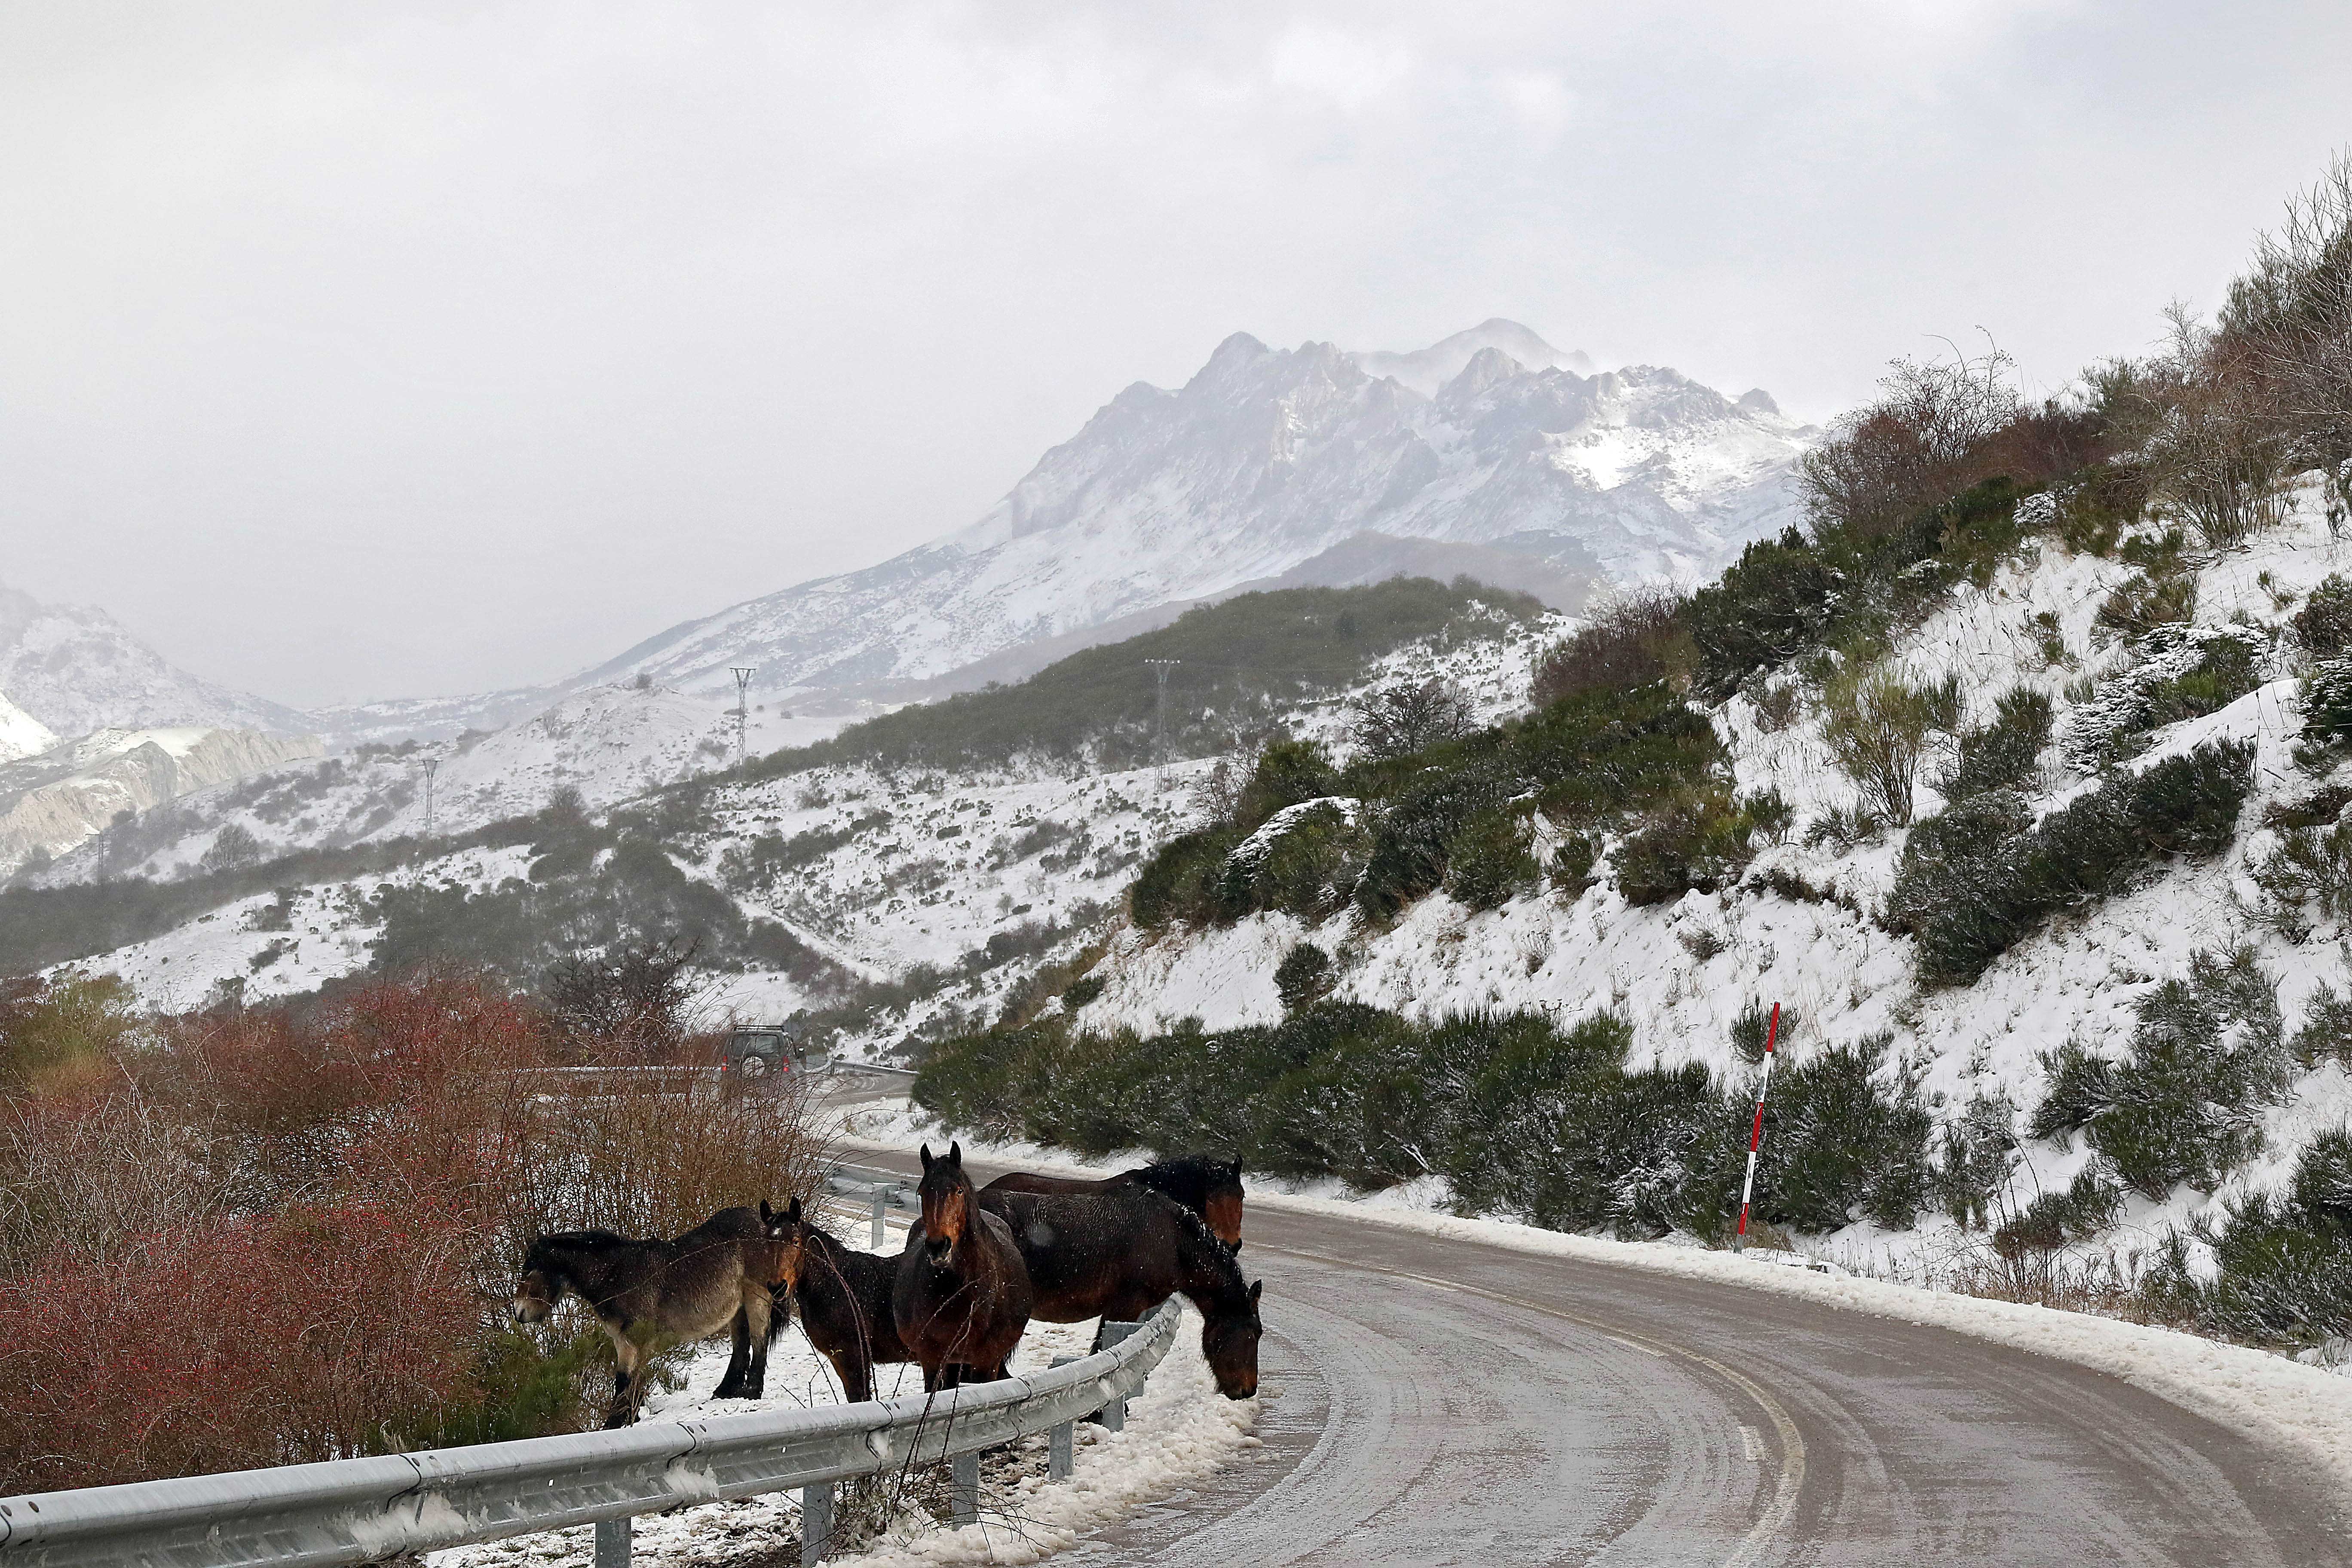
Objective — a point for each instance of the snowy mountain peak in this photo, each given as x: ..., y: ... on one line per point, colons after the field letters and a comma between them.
x: 77, y: 669
x: 1264, y: 459
x: 1426, y: 371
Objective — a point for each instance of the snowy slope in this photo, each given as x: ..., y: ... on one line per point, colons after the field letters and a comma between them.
x: 21, y: 734
x: 51, y: 803
x: 77, y: 670
x: 1680, y: 973
x: 1267, y: 458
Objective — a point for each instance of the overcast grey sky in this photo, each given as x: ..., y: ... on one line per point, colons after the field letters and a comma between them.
x: 354, y: 351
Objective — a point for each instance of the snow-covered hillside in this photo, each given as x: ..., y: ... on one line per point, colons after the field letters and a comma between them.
x: 1267, y: 458
x: 54, y: 800
x: 77, y: 670
x: 1681, y: 973
x: 607, y: 742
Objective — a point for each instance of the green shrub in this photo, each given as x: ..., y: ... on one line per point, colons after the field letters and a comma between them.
x: 2145, y: 601
x: 2326, y: 1032
x: 1771, y: 604
x: 1184, y: 881
x: 1980, y: 1150
x: 2190, y: 671
x: 2098, y: 505
x: 1304, y: 862
x: 1839, y: 1146
x: 1287, y: 773
x: 2327, y: 703
x: 1081, y: 991
x: 2207, y: 1059
x: 2003, y: 753
x: 1972, y: 884
x: 1876, y: 732
x: 2308, y: 873
x: 1302, y: 977
x: 2281, y: 1264
x: 1753, y: 1027
x: 1699, y: 839
x: 1492, y: 859
x: 2323, y: 627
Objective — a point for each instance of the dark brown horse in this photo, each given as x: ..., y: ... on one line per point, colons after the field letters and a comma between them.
x: 961, y: 1296
x: 844, y: 1300
x: 1119, y: 1253
x: 1210, y: 1188
x: 650, y: 1294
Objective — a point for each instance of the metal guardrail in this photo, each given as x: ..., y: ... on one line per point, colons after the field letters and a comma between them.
x: 363, y: 1511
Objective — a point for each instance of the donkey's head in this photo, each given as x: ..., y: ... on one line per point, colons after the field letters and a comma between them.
x: 946, y: 1193
x: 784, y: 1234
x: 539, y: 1288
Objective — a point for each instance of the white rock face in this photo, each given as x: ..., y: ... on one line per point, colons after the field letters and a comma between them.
x: 1265, y: 459
x: 52, y: 802
x: 78, y: 670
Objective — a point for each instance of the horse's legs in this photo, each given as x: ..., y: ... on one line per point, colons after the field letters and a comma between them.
x: 748, y: 1349
x: 752, y: 1321
x: 628, y: 1386
x: 856, y: 1377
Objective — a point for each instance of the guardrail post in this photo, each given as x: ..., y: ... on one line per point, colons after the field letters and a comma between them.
x: 613, y: 1543
x: 881, y: 1207
x: 1113, y: 1415
x: 816, y: 1523
x: 1059, y: 1453
x: 965, y: 1470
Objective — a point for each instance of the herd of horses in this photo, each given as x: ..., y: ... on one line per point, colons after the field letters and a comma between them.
x: 977, y: 1267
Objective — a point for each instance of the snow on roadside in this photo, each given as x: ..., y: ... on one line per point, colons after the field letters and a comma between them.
x: 1178, y: 1431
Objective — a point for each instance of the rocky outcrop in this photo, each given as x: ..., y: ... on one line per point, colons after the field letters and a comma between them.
x: 50, y: 803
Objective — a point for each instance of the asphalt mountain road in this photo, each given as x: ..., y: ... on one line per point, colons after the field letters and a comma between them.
x: 1430, y: 1401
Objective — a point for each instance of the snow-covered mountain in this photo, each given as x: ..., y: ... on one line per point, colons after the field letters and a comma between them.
x: 51, y: 803
x: 21, y: 734
x: 77, y: 670
x: 1269, y: 458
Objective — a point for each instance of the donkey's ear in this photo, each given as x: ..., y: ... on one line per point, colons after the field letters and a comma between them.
x: 793, y: 1213
x: 927, y: 1156
x: 1256, y: 1288
x: 767, y: 1214
x: 955, y: 1152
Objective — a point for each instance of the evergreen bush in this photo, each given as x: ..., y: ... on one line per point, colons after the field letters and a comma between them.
x: 2003, y: 753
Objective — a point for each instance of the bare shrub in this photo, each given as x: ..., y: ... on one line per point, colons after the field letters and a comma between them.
x: 1925, y: 438
x: 1401, y: 720
x: 2288, y: 323
x: 641, y: 1001
x: 1635, y: 639
x: 2199, y: 411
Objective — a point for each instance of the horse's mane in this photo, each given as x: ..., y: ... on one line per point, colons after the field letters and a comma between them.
x: 1190, y: 1179
x: 578, y: 1241
x: 1220, y: 1259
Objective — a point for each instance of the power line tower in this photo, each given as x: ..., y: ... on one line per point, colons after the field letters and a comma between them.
x: 1161, y: 666
x: 431, y: 767
x: 743, y: 674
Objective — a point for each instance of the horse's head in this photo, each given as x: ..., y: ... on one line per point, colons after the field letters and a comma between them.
x: 1223, y: 1206
x: 946, y: 1193
x: 1228, y: 1337
x: 784, y: 1234
x: 537, y: 1291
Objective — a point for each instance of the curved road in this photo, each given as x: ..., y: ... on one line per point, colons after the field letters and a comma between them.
x: 1428, y: 1401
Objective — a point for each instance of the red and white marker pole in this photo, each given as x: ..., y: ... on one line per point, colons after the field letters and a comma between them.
x: 1755, y: 1133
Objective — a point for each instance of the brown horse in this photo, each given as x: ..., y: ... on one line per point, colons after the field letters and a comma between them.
x: 1210, y: 1188
x: 652, y: 1293
x: 1119, y: 1253
x: 844, y: 1300
x: 961, y: 1296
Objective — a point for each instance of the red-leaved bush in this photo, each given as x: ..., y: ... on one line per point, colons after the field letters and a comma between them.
x: 254, y: 1237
